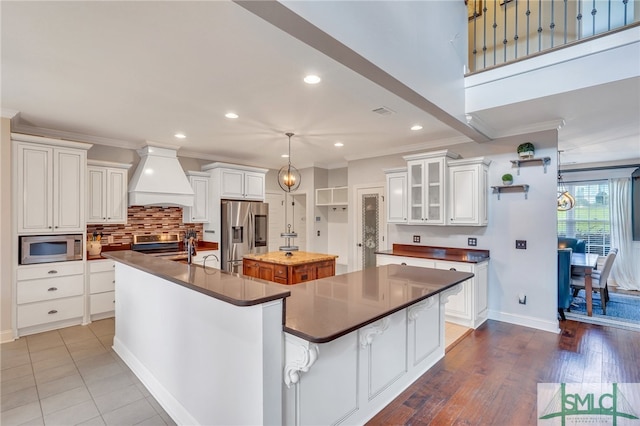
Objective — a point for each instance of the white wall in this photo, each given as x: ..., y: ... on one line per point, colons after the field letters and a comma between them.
x: 7, y: 245
x: 511, y: 271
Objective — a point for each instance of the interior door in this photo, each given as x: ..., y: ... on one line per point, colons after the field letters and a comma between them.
x: 370, y: 232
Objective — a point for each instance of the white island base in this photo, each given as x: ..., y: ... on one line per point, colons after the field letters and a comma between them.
x: 209, y: 361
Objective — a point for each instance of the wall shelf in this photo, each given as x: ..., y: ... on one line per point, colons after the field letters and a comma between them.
x: 338, y: 196
x: 510, y: 188
x: 543, y: 161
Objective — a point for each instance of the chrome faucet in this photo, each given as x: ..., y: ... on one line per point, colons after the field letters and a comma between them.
x: 191, y: 249
x: 204, y: 260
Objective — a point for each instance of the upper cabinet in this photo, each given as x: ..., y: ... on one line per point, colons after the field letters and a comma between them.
x: 199, y: 212
x: 233, y: 182
x: 50, y: 176
x: 467, y: 196
x: 426, y: 183
x: 438, y: 188
x: 396, y: 180
x: 107, y: 192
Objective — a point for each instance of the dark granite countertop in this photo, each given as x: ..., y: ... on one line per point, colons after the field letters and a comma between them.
x: 451, y: 254
x: 318, y: 311
x: 232, y: 288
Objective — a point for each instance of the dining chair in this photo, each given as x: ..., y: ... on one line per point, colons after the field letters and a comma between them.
x: 598, y: 280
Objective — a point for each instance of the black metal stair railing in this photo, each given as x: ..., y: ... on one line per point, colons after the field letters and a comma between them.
x: 496, y: 27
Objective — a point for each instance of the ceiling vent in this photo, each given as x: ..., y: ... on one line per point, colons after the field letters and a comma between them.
x: 383, y: 110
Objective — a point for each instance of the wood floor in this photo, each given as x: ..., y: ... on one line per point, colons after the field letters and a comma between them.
x: 491, y: 376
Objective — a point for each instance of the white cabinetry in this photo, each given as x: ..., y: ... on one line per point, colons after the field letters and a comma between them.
x: 49, y: 295
x: 107, y: 192
x: 102, y: 285
x: 230, y: 182
x: 470, y: 306
x: 426, y: 187
x: 50, y: 177
x: 199, y: 212
x: 338, y: 196
x: 234, y: 182
x: 468, y: 185
x: 396, y: 195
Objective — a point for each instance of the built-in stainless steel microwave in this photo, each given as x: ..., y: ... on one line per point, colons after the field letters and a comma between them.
x: 50, y: 248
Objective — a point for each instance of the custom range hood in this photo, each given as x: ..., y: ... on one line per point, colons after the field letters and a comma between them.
x: 159, y: 180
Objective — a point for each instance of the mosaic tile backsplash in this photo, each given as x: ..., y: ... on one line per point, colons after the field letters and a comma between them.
x: 145, y: 220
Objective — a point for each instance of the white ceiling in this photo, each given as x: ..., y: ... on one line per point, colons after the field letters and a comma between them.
x: 129, y: 73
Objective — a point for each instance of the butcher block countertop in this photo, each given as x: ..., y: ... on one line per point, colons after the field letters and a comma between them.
x: 451, y: 254
x: 296, y: 258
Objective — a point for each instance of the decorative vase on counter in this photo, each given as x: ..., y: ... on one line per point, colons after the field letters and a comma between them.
x: 95, y: 247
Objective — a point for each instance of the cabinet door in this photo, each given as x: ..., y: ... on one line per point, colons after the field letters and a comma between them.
x: 302, y: 273
x: 459, y: 305
x: 116, y: 196
x: 199, y: 212
x: 68, y: 188
x: 464, y: 206
x: 96, y: 195
x: 35, y: 188
x: 434, y: 192
x: 254, y: 186
x: 325, y: 269
x: 397, y: 198
x: 231, y: 183
x: 416, y: 191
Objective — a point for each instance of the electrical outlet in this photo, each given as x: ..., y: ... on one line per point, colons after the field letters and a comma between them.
x: 416, y: 238
x: 472, y: 242
x: 521, y: 244
x: 318, y: 233
x: 110, y: 239
x: 522, y: 299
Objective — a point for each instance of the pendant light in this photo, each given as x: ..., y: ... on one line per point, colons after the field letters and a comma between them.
x: 565, y: 199
x: 289, y: 176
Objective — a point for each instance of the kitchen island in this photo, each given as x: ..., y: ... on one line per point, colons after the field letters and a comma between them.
x: 214, y: 348
x: 295, y: 268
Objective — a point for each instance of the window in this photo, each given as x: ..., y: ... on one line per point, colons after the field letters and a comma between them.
x: 589, y: 219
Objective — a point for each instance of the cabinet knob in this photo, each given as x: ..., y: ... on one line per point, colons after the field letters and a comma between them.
x: 452, y: 269
x: 56, y: 226
x: 404, y: 263
x: 53, y: 311
x: 53, y: 271
x: 103, y: 218
x: 108, y: 218
x: 49, y: 227
x: 52, y: 289
x: 114, y: 281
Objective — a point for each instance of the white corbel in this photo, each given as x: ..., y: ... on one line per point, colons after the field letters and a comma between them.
x: 367, y: 334
x: 414, y: 310
x: 444, y: 296
x: 307, y: 355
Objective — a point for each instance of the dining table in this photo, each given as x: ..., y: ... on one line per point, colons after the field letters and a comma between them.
x: 585, y: 263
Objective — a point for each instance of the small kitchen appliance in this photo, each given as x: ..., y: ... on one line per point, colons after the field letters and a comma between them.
x: 50, y: 248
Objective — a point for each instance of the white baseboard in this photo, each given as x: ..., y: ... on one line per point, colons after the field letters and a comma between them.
x: 6, y: 336
x: 531, y: 322
x: 171, y: 405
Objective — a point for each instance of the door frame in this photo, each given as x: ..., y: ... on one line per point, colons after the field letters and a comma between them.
x: 355, y: 220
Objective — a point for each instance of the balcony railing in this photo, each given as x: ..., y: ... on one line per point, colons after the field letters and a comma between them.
x: 501, y: 31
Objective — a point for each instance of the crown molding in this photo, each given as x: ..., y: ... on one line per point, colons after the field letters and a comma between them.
x: 9, y: 113
x: 404, y: 149
x: 72, y: 136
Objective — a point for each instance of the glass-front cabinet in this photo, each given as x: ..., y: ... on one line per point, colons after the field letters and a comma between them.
x: 427, y: 174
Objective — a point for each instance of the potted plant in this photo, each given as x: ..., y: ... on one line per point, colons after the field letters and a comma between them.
x: 526, y: 150
x: 507, y: 179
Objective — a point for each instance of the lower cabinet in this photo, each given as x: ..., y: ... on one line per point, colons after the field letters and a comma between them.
x: 102, y: 295
x: 470, y: 306
x: 49, y: 296
x: 289, y: 274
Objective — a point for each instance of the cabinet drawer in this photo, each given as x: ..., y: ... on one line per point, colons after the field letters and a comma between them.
x: 50, y: 311
x: 50, y: 270
x: 281, y: 272
x: 52, y: 288
x: 103, y: 302
x: 99, y: 282
x: 101, y: 266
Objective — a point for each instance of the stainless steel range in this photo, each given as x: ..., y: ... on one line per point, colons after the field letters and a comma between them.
x: 166, y: 246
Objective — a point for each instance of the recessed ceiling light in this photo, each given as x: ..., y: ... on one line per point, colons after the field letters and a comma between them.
x: 180, y: 135
x: 231, y: 115
x: 416, y: 127
x: 285, y: 156
x: 312, y: 79
x: 338, y: 144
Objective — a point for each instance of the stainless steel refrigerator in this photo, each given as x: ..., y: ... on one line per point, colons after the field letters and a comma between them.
x: 245, y: 230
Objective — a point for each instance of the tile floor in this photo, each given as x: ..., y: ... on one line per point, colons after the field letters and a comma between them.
x: 72, y: 376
